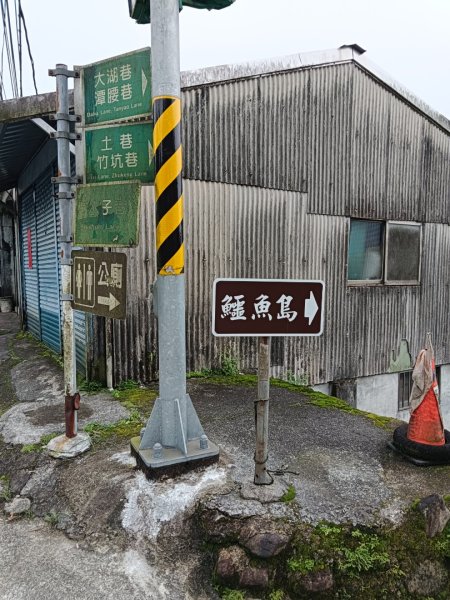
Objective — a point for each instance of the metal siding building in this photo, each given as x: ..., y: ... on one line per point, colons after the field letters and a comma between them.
x: 278, y: 157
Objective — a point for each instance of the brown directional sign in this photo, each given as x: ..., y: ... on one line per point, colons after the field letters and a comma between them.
x: 99, y: 283
x: 267, y: 307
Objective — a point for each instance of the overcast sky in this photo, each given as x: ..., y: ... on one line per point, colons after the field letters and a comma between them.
x: 408, y: 39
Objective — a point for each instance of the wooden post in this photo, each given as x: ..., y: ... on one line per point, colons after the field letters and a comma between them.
x: 262, y: 477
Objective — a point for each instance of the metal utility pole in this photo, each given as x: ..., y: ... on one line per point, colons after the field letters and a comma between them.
x: 67, y: 445
x: 173, y: 434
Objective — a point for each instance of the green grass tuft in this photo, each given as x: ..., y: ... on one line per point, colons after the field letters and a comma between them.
x: 125, y: 428
x: 289, y: 494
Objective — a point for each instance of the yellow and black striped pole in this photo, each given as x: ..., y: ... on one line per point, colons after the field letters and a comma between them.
x: 168, y: 185
x: 173, y: 434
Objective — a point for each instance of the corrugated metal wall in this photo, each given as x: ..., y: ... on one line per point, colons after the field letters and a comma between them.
x: 134, y: 339
x: 333, y: 131
x: 285, y: 160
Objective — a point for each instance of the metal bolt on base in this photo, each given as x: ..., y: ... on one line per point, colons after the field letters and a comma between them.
x: 157, y: 451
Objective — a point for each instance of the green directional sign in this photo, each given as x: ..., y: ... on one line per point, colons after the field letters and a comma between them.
x: 118, y: 88
x: 120, y: 153
x: 107, y: 214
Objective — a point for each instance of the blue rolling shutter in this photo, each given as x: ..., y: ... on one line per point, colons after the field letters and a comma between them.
x: 48, y: 268
x: 29, y: 267
x: 40, y: 224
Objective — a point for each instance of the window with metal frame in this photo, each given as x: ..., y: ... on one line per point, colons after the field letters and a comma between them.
x: 404, y: 389
x: 405, y: 383
x: 382, y: 252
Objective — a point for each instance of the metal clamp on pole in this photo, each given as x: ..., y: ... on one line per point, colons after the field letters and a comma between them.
x: 65, y: 196
x: 65, y: 239
x: 64, y: 135
x: 63, y: 70
x: 69, y: 180
x: 65, y: 117
x: 66, y: 297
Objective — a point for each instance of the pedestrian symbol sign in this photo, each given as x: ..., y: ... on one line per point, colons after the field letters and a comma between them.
x: 99, y: 283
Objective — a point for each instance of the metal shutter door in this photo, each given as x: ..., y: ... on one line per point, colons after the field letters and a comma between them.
x: 48, y: 268
x: 29, y: 264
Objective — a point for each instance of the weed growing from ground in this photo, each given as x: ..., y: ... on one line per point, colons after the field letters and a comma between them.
x: 91, y: 387
x: 26, y: 448
x: 289, y: 494
x: 228, y: 594
x: 300, y: 380
x: 5, y: 494
x: 125, y: 428
x: 52, y: 518
x: 368, y: 554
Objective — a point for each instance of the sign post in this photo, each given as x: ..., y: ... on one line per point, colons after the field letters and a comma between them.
x: 265, y: 308
x: 71, y: 443
x: 173, y: 435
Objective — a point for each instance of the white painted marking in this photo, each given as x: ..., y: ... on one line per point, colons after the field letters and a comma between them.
x: 144, y: 82
x: 311, y: 308
x: 112, y: 301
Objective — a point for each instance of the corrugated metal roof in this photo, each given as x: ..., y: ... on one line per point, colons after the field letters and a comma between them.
x: 295, y: 62
x: 19, y: 141
x: 21, y: 136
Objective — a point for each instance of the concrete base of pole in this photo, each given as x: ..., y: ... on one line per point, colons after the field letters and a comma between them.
x: 159, y: 462
x: 64, y: 447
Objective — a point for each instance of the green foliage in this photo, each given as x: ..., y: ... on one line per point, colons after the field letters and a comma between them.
x: 91, y: 387
x: 302, y: 565
x: 125, y: 428
x: 276, y: 595
x: 46, y: 438
x: 443, y: 542
x: 47, y: 353
x: 369, y: 553
x: 26, y: 448
x: 135, y: 398
x: 228, y: 594
x: 228, y: 365
x: 52, y: 518
x: 5, y: 495
x: 289, y: 494
x: 328, y: 530
x: 227, y: 372
x: 297, y: 380
x: 127, y: 384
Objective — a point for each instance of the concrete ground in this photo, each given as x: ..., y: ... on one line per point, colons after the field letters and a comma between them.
x: 96, y: 528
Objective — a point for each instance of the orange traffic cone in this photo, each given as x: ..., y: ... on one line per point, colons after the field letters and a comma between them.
x: 425, y: 424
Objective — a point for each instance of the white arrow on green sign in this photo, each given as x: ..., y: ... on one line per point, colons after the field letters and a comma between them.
x: 118, y: 88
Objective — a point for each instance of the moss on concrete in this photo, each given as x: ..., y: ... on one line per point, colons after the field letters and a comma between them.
x: 370, y: 563
x: 136, y: 398
x: 311, y: 396
x: 123, y: 429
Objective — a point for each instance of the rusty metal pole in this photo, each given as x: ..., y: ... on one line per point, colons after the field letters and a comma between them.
x: 71, y: 444
x: 262, y: 477
x: 65, y: 195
